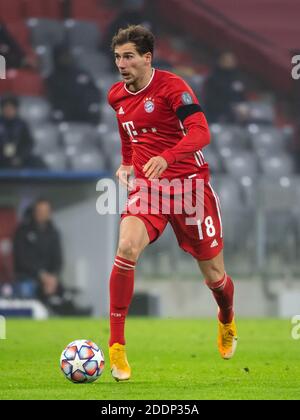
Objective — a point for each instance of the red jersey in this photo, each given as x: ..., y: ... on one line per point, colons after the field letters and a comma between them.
x: 162, y: 119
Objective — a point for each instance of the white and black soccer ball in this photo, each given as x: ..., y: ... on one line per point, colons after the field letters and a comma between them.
x: 82, y: 361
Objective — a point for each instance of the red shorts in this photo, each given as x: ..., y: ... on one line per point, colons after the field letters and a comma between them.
x: 203, y: 238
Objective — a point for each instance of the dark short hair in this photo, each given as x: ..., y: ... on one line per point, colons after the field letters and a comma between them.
x: 10, y: 100
x: 141, y: 37
x: 41, y: 200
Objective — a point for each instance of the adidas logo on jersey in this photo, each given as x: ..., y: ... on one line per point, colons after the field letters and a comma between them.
x: 214, y: 244
x: 121, y: 111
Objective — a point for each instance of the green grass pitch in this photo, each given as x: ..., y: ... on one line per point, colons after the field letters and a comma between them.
x: 170, y: 359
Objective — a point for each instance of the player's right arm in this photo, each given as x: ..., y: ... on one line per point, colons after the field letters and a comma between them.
x: 126, y: 168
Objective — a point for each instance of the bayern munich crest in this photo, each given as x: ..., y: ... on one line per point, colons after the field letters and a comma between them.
x: 149, y: 105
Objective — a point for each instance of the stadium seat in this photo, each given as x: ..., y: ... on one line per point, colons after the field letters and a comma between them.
x: 281, y: 236
x: 212, y: 158
x: 99, y: 11
x: 102, y: 130
x: 249, y: 191
x: 88, y: 160
x: 11, y: 10
x: 19, y: 30
x: 47, y: 32
x: 34, y: 8
x: 82, y: 34
x: 45, y: 60
x: 6, y: 85
x: 260, y: 112
x: 266, y: 140
x: 228, y: 136
x: 46, y: 138
x: 26, y: 82
x: 54, y: 8
x: 280, y: 204
x: 84, y: 9
x: 114, y: 162
x: 196, y: 82
x: 277, y: 165
x: 233, y: 211
x: 111, y: 143
x: 34, y: 110
x: 243, y: 163
x: 105, y: 81
x: 297, y: 194
x: 95, y: 63
x: 55, y: 160
x: 279, y: 193
x: 78, y: 135
x: 104, y: 142
x: 51, y: 9
x: 229, y: 192
x: 108, y: 116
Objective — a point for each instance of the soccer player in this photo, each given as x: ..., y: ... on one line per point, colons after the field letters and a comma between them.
x: 163, y: 131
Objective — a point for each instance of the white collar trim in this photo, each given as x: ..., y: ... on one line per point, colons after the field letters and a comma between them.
x: 141, y: 90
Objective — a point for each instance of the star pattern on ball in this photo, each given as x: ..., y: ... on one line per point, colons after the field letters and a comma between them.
x: 77, y: 363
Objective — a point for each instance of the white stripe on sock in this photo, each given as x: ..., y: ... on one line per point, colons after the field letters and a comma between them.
x: 124, y: 268
x: 122, y: 262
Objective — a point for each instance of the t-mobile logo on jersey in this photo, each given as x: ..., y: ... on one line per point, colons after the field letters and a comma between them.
x: 130, y: 130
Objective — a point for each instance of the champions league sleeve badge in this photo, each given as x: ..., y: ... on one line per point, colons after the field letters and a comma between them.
x: 187, y: 99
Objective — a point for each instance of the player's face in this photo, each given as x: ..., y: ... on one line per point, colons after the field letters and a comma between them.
x: 131, y: 65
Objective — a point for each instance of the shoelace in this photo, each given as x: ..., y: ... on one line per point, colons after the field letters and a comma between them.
x: 227, y: 337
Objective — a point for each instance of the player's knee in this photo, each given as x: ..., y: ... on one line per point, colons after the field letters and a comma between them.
x: 213, y: 273
x: 128, y: 249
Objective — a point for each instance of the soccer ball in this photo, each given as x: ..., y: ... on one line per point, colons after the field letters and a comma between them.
x: 82, y: 361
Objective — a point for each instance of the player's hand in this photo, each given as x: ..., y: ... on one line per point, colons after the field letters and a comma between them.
x: 155, y: 167
x: 123, y: 174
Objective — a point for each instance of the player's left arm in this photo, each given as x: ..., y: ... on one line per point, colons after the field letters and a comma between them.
x: 186, y: 106
x: 197, y: 135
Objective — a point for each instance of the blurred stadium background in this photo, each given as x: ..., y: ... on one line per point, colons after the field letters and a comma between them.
x: 254, y: 155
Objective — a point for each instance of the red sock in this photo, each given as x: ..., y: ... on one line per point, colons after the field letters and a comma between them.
x: 223, y: 294
x: 121, y: 292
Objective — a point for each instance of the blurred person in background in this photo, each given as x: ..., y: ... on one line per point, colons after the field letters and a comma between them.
x: 38, y: 260
x: 224, y: 89
x: 132, y: 12
x: 16, y: 143
x: 14, y: 55
x: 10, y: 49
x: 72, y: 91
